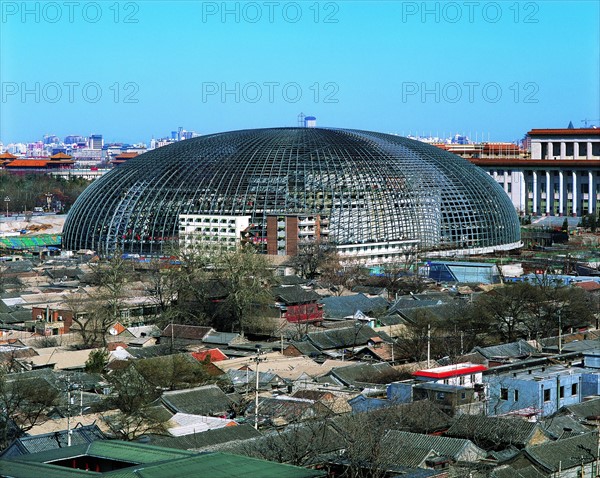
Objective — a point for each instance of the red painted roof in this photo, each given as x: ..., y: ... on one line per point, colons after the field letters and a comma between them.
x: 60, y: 156
x: 590, y: 286
x: 536, y: 163
x: 28, y: 163
x: 214, y: 355
x: 7, y: 155
x: 449, y: 371
x: 565, y: 131
x: 126, y: 155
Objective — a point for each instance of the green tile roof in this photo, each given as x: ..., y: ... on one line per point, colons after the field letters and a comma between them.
x: 217, y: 465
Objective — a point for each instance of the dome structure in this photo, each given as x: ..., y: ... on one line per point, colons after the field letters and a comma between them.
x: 371, y: 188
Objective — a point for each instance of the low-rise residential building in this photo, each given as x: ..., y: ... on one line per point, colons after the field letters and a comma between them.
x: 541, y: 389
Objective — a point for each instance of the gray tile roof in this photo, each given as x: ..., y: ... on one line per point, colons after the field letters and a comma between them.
x: 342, y: 337
x: 340, y: 307
x: 366, y: 373
x: 188, y: 332
x: 207, y: 438
x: 294, y: 295
x: 455, y: 448
x: 519, y: 348
x: 584, y: 409
x: 220, y: 338
x: 206, y: 400
x: 565, y: 454
x: 51, y: 441
x: 493, y: 432
x: 300, y: 443
x: 558, y: 425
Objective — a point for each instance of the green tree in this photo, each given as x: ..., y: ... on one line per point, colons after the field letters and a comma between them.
x: 97, y: 360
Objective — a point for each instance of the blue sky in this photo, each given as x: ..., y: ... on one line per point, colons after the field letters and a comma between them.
x: 133, y: 70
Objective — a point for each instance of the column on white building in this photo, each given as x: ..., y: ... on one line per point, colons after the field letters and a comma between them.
x: 560, y: 192
x: 535, y: 192
x: 563, y: 150
x: 591, y: 201
x: 589, y: 150
x: 522, y: 190
x: 576, y: 150
x: 549, y: 193
x: 549, y: 150
x: 575, y: 195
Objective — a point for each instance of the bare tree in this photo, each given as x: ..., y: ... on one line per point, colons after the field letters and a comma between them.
x: 24, y: 403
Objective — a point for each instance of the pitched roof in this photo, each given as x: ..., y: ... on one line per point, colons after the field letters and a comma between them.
x: 520, y: 348
x: 213, y: 355
x: 559, y: 426
x: 493, y: 431
x: 188, y: 332
x: 205, y: 400
x: 362, y: 374
x: 344, y: 306
x: 50, y: 441
x: 565, y: 454
x: 294, y: 294
x: 584, y: 409
x: 455, y: 448
x: 207, y: 438
x: 342, y: 337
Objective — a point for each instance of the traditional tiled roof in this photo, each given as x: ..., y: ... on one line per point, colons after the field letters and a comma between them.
x: 342, y: 338
x: 563, y: 426
x: 584, y: 409
x: 344, y: 306
x: 286, y: 409
x: 520, y: 348
x: 50, y: 441
x: 494, y: 432
x: 362, y: 374
x: 565, y: 454
x: 294, y: 295
x: 455, y: 448
x: 207, y: 438
x: 220, y: 338
x: 507, y: 471
x: 205, y: 400
x: 188, y: 332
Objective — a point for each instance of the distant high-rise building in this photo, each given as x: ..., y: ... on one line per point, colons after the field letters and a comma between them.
x: 95, y: 141
x: 51, y: 139
x: 74, y: 139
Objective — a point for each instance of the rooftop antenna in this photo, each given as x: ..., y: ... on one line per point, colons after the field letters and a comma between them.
x: 587, y: 120
x: 301, y: 120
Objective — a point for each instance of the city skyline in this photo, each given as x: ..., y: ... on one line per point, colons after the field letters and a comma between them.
x: 131, y: 70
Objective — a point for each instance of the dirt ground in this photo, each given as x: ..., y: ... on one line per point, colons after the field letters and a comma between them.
x: 46, y: 224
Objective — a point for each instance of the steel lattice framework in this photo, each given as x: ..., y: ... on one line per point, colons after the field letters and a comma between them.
x: 373, y: 187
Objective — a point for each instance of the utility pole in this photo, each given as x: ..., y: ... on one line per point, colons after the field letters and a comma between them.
x: 428, y: 344
x: 559, y: 332
x: 257, y: 360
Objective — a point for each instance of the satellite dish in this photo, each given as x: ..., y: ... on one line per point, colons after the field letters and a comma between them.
x: 112, y: 331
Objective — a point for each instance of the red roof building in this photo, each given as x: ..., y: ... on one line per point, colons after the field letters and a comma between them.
x: 461, y: 374
x: 213, y: 355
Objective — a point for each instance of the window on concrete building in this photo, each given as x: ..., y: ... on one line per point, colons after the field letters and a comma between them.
x: 504, y: 394
x: 516, y: 395
x: 509, y: 188
x: 561, y: 392
x: 574, y: 389
x: 547, y: 395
